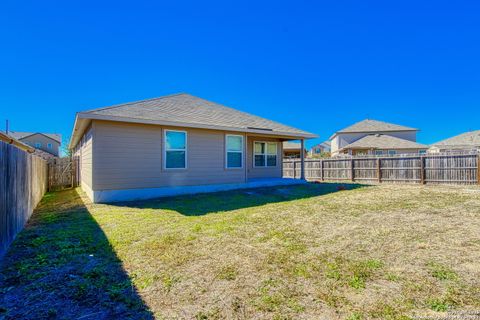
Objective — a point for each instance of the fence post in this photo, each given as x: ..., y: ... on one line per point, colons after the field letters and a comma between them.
x: 321, y: 169
x: 352, y: 171
x: 478, y: 168
x: 422, y: 169
x: 379, y: 171
x: 294, y: 168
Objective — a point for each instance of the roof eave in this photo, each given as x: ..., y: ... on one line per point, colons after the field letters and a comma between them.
x: 373, y: 132
x: 81, y: 115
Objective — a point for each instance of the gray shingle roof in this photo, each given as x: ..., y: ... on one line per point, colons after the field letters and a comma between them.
x: 467, y: 139
x: 324, y: 144
x: 375, y: 126
x: 287, y: 145
x: 383, y: 141
x: 21, y: 135
x: 188, y: 109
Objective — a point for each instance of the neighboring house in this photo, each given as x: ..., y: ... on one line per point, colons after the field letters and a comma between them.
x: 47, y: 142
x: 375, y: 137
x: 468, y: 141
x: 176, y: 144
x: 291, y: 150
x: 320, y: 148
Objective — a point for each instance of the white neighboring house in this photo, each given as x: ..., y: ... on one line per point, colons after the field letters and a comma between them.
x: 319, y: 148
x: 468, y: 141
x: 376, y: 137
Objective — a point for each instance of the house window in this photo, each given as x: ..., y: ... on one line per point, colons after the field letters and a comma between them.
x: 175, y: 149
x: 422, y: 152
x: 49, y: 145
x: 378, y: 152
x: 265, y: 154
x: 38, y: 144
x: 392, y: 152
x: 318, y: 150
x: 234, y: 149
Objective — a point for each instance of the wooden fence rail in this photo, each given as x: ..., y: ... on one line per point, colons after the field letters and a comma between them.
x: 431, y: 169
x: 23, y: 182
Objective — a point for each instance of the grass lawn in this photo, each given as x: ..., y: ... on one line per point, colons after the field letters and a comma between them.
x: 300, y: 252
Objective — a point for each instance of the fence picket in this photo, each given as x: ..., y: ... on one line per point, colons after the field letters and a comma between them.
x: 428, y: 169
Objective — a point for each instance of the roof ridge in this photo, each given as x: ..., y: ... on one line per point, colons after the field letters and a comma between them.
x: 133, y: 102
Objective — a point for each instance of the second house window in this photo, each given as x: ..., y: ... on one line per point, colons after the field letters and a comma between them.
x: 265, y: 154
x: 175, y: 149
x: 234, y: 151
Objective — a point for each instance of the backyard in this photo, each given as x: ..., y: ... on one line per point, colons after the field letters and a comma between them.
x: 316, y: 251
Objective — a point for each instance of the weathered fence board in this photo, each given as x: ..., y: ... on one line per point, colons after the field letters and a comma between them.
x: 62, y: 173
x: 23, y: 182
x: 432, y: 169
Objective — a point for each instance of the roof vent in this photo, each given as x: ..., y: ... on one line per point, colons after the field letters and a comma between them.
x: 265, y: 129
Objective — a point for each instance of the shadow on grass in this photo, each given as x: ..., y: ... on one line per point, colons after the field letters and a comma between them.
x: 62, y: 266
x: 202, y: 204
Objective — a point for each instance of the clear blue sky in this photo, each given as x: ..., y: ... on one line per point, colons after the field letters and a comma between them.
x: 316, y: 65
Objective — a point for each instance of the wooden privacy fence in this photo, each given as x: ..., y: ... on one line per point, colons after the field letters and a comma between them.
x: 432, y: 169
x: 23, y: 182
x: 62, y: 173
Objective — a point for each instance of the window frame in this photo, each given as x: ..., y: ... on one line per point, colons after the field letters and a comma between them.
x: 266, y: 154
x: 242, y: 151
x: 49, y: 146
x: 37, y: 144
x: 165, y: 150
x: 392, y: 152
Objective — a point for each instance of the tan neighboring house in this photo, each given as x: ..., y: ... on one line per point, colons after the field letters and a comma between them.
x: 177, y: 144
x: 46, y: 144
x: 465, y: 142
x: 372, y: 137
x: 292, y: 150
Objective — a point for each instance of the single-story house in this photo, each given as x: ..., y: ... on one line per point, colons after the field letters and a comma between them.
x: 468, y: 141
x: 176, y: 144
x: 43, y: 142
x: 292, y: 150
x: 381, y: 144
x: 373, y: 137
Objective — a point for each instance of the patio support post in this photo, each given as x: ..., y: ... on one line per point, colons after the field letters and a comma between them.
x: 302, y: 159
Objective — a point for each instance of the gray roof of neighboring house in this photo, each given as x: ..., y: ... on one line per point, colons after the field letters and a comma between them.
x: 467, y: 139
x: 187, y: 110
x: 324, y: 144
x: 22, y: 135
x: 374, y: 126
x: 383, y: 141
x: 287, y: 145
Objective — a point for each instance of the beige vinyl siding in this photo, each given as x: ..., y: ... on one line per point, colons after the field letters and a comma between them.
x: 263, y: 172
x: 130, y: 156
x: 44, y: 140
x: 83, y: 152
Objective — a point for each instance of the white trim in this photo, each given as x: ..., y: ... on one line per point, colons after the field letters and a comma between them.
x: 165, y: 149
x: 226, y: 151
x: 266, y: 154
x: 105, y: 196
